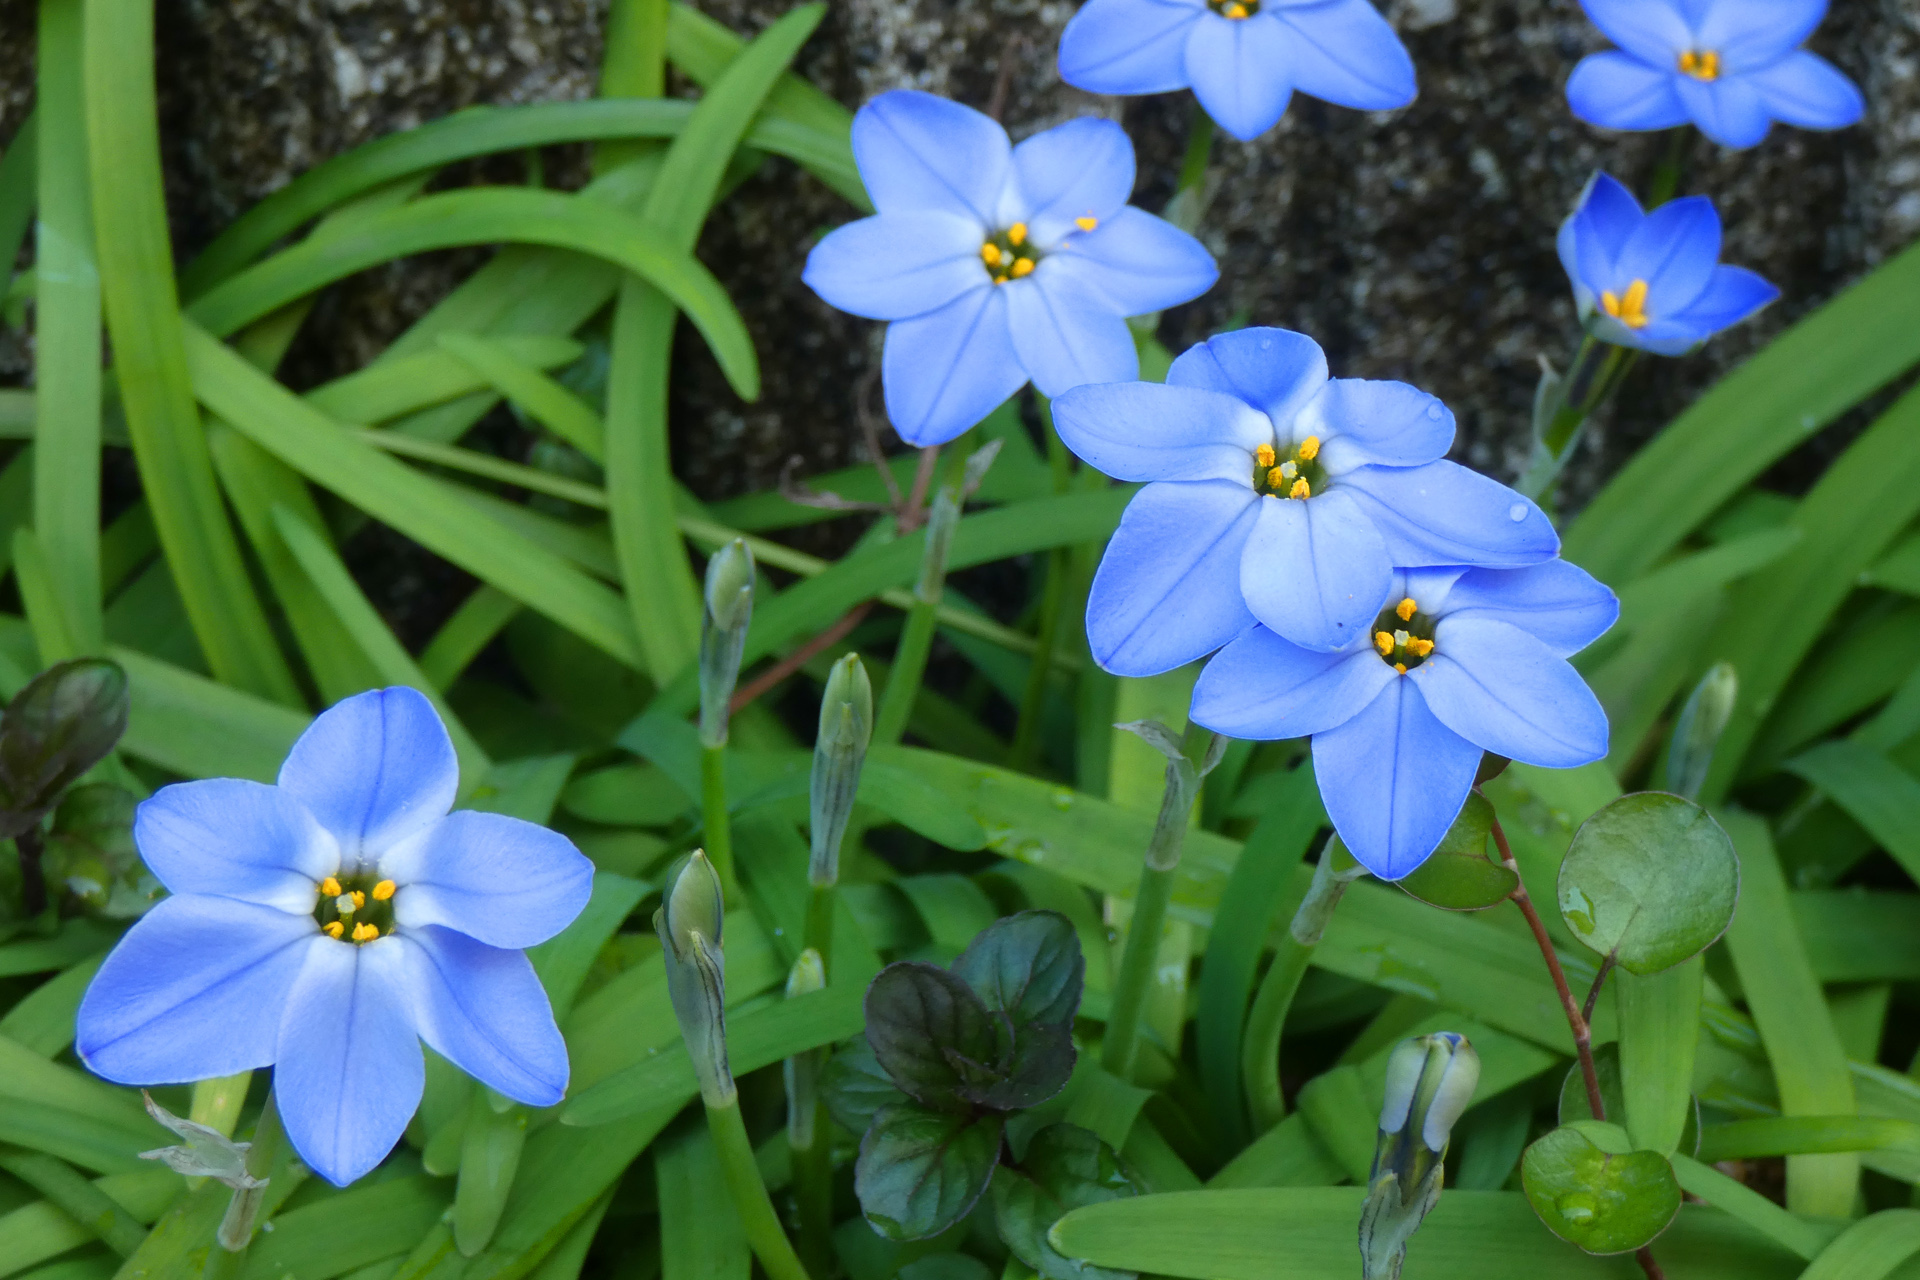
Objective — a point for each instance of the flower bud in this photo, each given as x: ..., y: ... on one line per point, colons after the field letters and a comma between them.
x: 723, y: 633
x: 802, y: 1071
x: 846, y: 726
x: 1697, y: 730
x: 1430, y: 1081
x: 689, y: 923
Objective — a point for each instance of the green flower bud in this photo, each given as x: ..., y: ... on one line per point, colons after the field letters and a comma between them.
x: 723, y: 633
x: 846, y: 726
x: 689, y: 923
x: 1697, y: 730
x: 1430, y: 1081
x: 802, y: 1071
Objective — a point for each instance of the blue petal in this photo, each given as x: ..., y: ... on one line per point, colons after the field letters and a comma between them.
x: 897, y: 265
x: 946, y: 370
x: 1560, y: 604
x: 1315, y: 570
x: 1731, y: 295
x: 1674, y: 251
x: 194, y: 990
x: 1168, y: 588
x: 1066, y: 334
x: 1730, y: 111
x: 1443, y: 513
x: 1138, y: 262
x: 1503, y: 690
x: 483, y: 1010
x: 349, y: 1070
x: 1262, y: 687
x: 1393, y: 779
x: 1653, y: 30
x: 1750, y: 34
x: 1150, y: 431
x: 237, y: 839
x: 1080, y: 169
x: 1592, y: 240
x: 1277, y: 371
x: 1663, y: 336
x: 1238, y: 69
x: 1127, y: 46
x: 1361, y: 421
x: 506, y: 882
x: 1345, y: 53
x: 919, y: 152
x: 1619, y: 91
x: 374, y: 769
x: 1805, y: 89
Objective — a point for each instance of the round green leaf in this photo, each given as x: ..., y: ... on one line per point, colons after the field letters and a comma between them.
x: 920, y: 1171
x: 1651, y: 879
x: 1601, y: 1201
x: 1460, y: 876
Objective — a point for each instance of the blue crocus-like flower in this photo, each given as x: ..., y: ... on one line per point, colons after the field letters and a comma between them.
x: 997, y: 263
x: 1458, y: 662
x: 1732, y: 67
x: 1277, y: 495
x: 1653, y: 280
x: 1243, y: 58
x: 329, y: 924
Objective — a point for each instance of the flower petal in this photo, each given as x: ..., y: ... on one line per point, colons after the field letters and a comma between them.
x: 1805, y: 89
x: 920, y: 152
x: 192, y: 991
x: 1558, y: 603
x: 1277, y: 371
x: 1393, y: 779
x: 374, y: 769
x: 236, y: 839
x: 1617, y: 90
x: 1083, y: 168
x: 1066, y: 334
x: 1674, y: 250
x: 1361, y: 421
x: 1591, y: 240
x: 506, y: 882
x: 1238, y: 70
x: 1262, y: 687
x: 944, y: 371
x: 1345, y: 53
x: 1732, y: 294
x: 1127, y: 46
x: 1315, y: 570
x: 1729, y: 110
x: 349, y: 1071
x: 1750, y: 34
x: 1138, y: 262
x: 1150, y: 431
x: 897, y: 265
x: 1168, y: 589
x: 1443, y: 513
x: 1501, y: 689
x: 483, y: 1009
x: 1655, y: 31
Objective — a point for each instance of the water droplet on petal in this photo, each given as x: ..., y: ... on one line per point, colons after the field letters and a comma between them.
x: 1517, y: 512
x: 1433, y: 412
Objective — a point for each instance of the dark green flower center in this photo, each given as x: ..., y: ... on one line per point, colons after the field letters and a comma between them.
x: 1009, y: 254
x: 355, y: 908
x: 1235, y: 9
x: 1298, y: 475
x: 1403, y: 636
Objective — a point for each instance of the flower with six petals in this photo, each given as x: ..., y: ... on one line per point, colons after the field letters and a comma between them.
x: 997, y: 264
x: 328, y: 924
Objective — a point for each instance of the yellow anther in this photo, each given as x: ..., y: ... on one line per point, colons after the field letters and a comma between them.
x: 1421, y: 648
x: 1406, y: 609
x: 1400, y: 638
x: 1289, y: 468
x: 1309, y: 449
x: 990, y: 254
x: 1383, y: 641
x: 1234, y: 10
x: 1300, y: 490
x: 330, y: 887
x: 1704, y: 65
x: 1630, y: 310
x: 365, y: 933
x: 384, y: 890
x: 1401, y: 667
x: 1274, y: 479
x: 333, y: 928
x: 1017, y: 233
x: 1021, y: 267
x: 1263, y: 456
x: 359, y: 899
x: 1087, y: 223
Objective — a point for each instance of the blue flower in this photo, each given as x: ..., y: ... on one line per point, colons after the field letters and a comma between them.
x: 327, y: 925
x: 1277, y: 495
x: 997, y: 263
x: 1653, y: 280
x: 1732, y: 67
x: 1459, y: 662
x: 1243, y: 58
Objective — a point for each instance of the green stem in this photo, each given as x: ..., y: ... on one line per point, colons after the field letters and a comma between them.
x: 713, y: 805
x: 1597, y: 370
x: 237, y: 1228
x: 1053, y: 600
x: 1193, y: 166
x: 916, y: 639
x: 820, y: 926
x: 764, y: 1233
x: 85, y: 1203
x: 1666, y: 175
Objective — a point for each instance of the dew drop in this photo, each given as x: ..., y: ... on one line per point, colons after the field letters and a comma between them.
x: 1517, y: 512
x: 1433, y: 411
x: 1577, y: 1206
x: 1062, y: 799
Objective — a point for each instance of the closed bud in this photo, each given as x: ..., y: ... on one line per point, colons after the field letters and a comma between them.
x: 689, y: 924
x: 723, y: 634
x: 1697, y: 730
x: 60, y: 725
x: 846, y: 726
x: 1430, y: 1081
x: 802, y: 1071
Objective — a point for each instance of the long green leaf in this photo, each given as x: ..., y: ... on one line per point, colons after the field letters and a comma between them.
x: 1749, y: 1206
x: 1875, y: 792
x: 190, y: 725
x: 391, y: 387
x: 1659, y: 1029
x: 1870, y: 1248
x: 385, y: 1218
x: 552, y: 405
x: 18, y: 188
x: 1802, y: 1135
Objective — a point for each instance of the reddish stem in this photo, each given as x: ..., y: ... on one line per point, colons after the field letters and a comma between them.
x: 780, y: 670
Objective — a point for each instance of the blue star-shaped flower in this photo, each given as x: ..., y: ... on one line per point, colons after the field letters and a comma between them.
x: 327, y: 925
x: 1242, y: 58
x: 1654, y: 280
x: 1277, y: 495
x: 1732, y: 67
x: 1457, y: 662
x: 997, y: 263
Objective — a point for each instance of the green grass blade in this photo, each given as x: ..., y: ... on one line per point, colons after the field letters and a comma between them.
x: 1659, y: 1029
x: 389, y: 388
x: 193, y: 726
x: 540, y: 397
x: 18, y: 189
x: 53, y: 633
x: 461, y: 637
x: 1875, y: 792
x: 1800, y: 1135
x: 1870, y: 1249
x: 700, y: 1233
x: 1749, y: 1206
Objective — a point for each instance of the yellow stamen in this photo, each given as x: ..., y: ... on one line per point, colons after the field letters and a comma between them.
x: 1275, y: 479
x: 359, y: 899
x: 365, y: 933
x: 1087, y: 223
x: 333, y: 928
x: 1421, y: 648
x: 1234, y: 10
x: 330, y: 887
x: 990, y: 254
x: 1383, y: 641
x: 1401, y: 667
x: 1406, y: 609
x: 1017, y: 233
x: 1300, y: 490
x: 1021, y: 267
x: 1704, y: 65
x: 1309, y: 449
x: 384, y: 890
x: 1263, y: 456
x: 1630, y: 310
x: 999, y: 279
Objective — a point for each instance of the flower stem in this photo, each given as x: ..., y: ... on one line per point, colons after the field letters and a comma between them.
x: 820, y: 926
x: 1053, y: 600
x: 1597, y: 370
x: 1666, y: 175
x: 764, y: 1233
x: 1193, y: 165
x: 713, y: 805
x: 916, y: 639
x: 236, y: 1229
